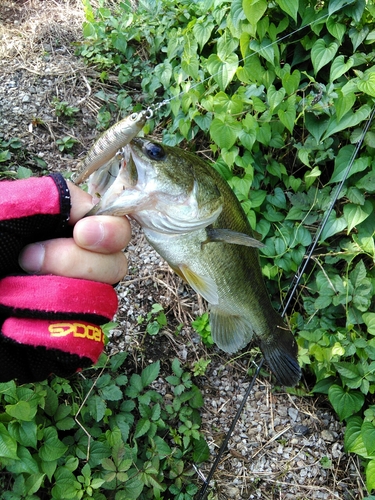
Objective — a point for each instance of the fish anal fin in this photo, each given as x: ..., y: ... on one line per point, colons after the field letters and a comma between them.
x: 202, y: 284
x: 229, y: 236
x: 229, y: 332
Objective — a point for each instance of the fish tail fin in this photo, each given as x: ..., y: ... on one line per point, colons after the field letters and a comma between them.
x: 280, y: 351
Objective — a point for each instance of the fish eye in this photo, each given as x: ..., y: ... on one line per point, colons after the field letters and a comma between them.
x: 154, y: 151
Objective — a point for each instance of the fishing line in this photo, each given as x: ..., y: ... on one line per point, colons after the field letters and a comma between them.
x: 308, y: 254
x: 229, y: 433
x: 156, y: 107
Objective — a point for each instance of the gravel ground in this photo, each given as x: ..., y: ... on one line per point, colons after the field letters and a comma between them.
x: 283, y: 446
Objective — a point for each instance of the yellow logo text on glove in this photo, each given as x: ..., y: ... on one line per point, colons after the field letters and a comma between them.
x: 81, y: 330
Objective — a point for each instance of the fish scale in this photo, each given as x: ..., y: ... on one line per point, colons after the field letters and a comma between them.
x: 106, y: 147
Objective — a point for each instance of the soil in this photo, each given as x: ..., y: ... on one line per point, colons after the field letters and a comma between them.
x: 283, y: 446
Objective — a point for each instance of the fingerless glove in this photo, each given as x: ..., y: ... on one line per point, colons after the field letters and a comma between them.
x: 48, y: 324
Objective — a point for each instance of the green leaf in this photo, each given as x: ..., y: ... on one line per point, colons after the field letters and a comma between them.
x: 357, y: 36
x: 162, y: 448
x: 370, y: 477
x: 8, y: 445
x: 347, y: 370
x: 53, y: 448
x: 34, y: 482
x: 66, y: 486
x: 225, y: 132
x: 117, y: 360
x: 316, y: 125
x: 150, y: 373
x: 275, y: 97
x: 254, y: 10
x: 202, y: 32
x: 291, y: 81
x: 355, y: 214
x: 142, y: 427
x: 265, y: 49
x: 287, y: 116
x: 369, y: 319
x: 25, y: 463
x: 201, y: 451
x: 223, y: 70
x: 368, y: 436
x: 133, y: 487
x: 96, y: 407
x: 339, y: 67
x: 322, y: 52
x: 335, y: 5
x: 345, y: 403
x: 367, y: 83
x: 190, y: 61
x: 337, y: 30
x: 24, y: 432
x: 5, y: 155
x: 343, y: 103
x: 66, y: 424
x: 21, y: 411
x: 24, y: 173
x: 176, y: 368
x: 350, y: 119
x: 290, y: 7
x: 111, y: 393
x: 333, y: 226
x: 342, y: 161
x: 98, y: 451
x: 352, y: 435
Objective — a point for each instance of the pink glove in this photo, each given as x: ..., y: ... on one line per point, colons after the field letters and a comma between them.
x: 49, y: 324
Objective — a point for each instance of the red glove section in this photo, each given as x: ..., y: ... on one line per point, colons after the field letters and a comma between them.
x: 49, y: 324
x: 67, y: 311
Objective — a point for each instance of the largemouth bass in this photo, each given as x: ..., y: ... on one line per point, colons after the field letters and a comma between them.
x: 106, y: 147
x: 193, y: 219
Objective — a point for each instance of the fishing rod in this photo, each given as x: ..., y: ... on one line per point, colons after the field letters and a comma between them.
x: 294, y: 285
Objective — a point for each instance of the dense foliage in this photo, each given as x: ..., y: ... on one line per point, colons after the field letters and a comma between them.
x: 281, y: 92
x: 101, y: 436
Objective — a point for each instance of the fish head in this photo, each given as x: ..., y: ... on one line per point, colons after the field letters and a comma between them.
x: 136, y: 121
x: 164, y: 188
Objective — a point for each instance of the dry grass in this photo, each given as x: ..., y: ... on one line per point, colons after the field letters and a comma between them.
x: 30, y: 29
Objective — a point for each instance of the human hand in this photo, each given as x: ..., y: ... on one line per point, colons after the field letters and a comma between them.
x: 94, y: 251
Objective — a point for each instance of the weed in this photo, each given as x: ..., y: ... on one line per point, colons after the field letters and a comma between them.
x: 202, y: 326
x: 66, y: 143
x: 155, y: 319
x: 200, y: 366
x: 65, y: 110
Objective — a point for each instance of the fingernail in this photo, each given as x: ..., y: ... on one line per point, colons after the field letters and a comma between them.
x: 32, y: 257
x: 90, y: 234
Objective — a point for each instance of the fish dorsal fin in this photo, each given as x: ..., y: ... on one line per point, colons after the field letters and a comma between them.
x: 229, y: 332
x: 202, y: 284
x: 229, y: 236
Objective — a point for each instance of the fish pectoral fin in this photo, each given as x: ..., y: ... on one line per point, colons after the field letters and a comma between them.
x: 202, y: 284
x: 229, y: 332
x: 229, y: 236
